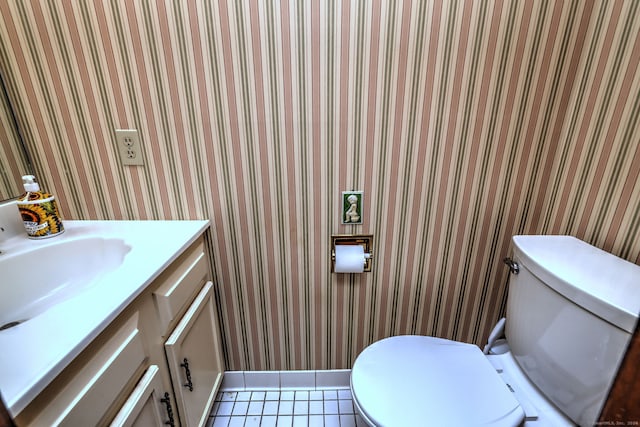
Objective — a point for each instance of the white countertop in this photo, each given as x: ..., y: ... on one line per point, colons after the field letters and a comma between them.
x: 36, y: 351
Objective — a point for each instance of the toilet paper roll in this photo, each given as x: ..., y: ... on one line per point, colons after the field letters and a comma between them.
x: 349, y: 259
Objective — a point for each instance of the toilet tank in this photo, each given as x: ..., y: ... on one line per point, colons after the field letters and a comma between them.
x: 571, y: 311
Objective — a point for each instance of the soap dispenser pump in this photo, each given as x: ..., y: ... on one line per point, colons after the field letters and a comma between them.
x: 39, y: 211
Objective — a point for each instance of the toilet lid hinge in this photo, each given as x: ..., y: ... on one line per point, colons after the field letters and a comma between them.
x: 513, y: 266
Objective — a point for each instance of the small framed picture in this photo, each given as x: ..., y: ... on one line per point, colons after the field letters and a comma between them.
x: 352, y: 207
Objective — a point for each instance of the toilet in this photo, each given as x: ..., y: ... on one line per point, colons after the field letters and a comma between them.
x: 571, y: 311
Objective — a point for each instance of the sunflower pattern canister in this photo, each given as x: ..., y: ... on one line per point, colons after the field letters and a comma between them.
x: 39, y: 211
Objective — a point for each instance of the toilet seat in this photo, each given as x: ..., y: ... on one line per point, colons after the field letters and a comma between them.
x: 417, y: 380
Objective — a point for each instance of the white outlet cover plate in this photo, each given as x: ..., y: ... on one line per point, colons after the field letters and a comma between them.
x: 130, y: 154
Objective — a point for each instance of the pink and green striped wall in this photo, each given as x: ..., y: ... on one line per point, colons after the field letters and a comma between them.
x: 464, y: 122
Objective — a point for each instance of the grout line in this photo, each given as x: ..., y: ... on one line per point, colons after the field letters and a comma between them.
x: 345, y: 413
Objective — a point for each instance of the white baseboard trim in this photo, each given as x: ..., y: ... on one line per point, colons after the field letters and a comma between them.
x: 286, y: 380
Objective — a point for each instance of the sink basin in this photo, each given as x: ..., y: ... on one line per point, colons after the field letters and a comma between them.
x: 35, y: 280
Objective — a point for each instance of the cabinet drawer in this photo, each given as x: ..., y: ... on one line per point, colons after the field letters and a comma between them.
x: 85, y: 400
x: 179, y: 284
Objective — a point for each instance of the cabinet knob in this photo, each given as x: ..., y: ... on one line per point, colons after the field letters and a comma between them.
x: 167, y: 401
x: 185, y: 365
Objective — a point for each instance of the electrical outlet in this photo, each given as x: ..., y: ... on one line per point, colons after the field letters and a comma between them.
x: 129, y: 147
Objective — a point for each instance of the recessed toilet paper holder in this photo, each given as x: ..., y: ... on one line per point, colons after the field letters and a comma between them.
x: 365, y: 240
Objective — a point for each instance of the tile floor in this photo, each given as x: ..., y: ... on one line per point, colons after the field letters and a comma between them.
x: 299, y: 408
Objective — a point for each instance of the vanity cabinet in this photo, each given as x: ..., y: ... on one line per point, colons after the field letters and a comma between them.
x: 158, y: 362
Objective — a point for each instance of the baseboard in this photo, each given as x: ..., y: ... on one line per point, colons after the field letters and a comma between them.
x: 286, y: 380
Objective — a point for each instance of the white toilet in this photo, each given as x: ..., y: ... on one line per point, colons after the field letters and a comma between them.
x: 571, y: 311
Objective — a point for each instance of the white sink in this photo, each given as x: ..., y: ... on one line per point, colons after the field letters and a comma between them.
x: 35, y: 279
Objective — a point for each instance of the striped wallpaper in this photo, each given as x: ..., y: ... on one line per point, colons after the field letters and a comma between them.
x: 13, y: 162
x: 464, y: 122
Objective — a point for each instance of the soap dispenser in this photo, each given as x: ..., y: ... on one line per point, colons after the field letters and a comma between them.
x: 39, y: 211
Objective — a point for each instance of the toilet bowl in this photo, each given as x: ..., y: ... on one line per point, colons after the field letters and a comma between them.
x: 417, y: 380
x: 458, y: 388
x: 565, y: 299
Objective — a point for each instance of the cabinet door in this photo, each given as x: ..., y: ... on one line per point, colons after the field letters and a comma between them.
x: 195, y: 360
x: 143, y: 409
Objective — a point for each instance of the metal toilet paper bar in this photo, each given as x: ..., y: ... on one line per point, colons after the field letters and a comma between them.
x: 364, y: 240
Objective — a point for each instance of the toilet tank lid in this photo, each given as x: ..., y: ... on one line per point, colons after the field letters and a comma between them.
x: 596, y: 280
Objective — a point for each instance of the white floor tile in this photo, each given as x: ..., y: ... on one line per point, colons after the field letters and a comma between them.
x: 300, y: 421
x: 224, y: 408
x: 237, y: 421
x: 284, y: 421
x: 243, y: 395
x: 240, y: 408
x: 330, y: 407
x: 272, y: 395
x: 360, y: 421
x: 316, y: 420
x: 344, y: 394
x: 258, y: 395
x: 255, y: 408
x: 302, y: 395
x: 252, y: 421
x: 268, y: 421
x: 347, y: 421
x: 345, y: 406
x: 330, y: 395
x: 220, y: 422
x: 287, y: 395
x: 331, y: 421
x: 316, y: 407
x: 316, y: 395
x: 301, y: 407
x: 229, y: 396
x: 214, y: 409
x: 270, y: 408
x: 292, y: 408
x: 285, y: 408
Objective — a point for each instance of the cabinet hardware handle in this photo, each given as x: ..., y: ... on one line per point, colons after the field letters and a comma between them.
x: 167, y: 401
x: 185, y: 365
